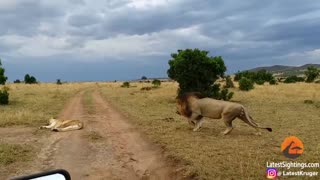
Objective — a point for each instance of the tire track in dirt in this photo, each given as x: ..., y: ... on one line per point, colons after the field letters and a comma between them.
x: 135, y: 155
x: 119, y: 152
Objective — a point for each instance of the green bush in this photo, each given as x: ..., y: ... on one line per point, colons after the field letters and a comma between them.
x: 225, y: 95
x: 30, y: 79
x: 125, y: 84
x: 293, y: 79
x: 229, y: 82
x: 259, y: 77
x: 260, y: 81
x: 3, y: 78
x: 4, y: 96
x: 273, y: 82
x: 59, y: 82
x: 195, y: 71
x: 17, y: 81
x: 312, y: 73
x: 156, y: 83
x: 245, y: 84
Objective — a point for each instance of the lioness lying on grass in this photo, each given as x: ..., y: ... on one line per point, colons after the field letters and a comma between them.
x: 63, y: 125
x: 194, y: 106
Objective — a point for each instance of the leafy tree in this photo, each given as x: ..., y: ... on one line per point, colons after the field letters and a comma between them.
x: 30, y: 79
x: 17, y: 81
x: 196, y: 72
x: 144, y: 78
x: 312, y: 73
x: 156, y: 83
x: 59, y: 82
x: 3, y: 78
x: 246, y: 84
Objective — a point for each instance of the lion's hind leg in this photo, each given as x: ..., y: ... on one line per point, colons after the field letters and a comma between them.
x: 227, y: 119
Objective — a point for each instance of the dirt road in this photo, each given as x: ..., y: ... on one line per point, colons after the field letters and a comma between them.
x: 107, y: 148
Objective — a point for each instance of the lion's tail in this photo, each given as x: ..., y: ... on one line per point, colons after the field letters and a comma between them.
x: 248, y: 119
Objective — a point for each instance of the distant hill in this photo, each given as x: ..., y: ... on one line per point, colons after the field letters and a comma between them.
x: 280, y: 70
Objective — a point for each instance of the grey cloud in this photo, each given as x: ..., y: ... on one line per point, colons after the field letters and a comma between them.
x: 245, y: 33
x: 81, y: 20
x: 25, y: 18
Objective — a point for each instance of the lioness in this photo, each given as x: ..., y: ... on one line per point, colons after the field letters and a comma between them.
x: 63, y: 125
x: 194, y: 106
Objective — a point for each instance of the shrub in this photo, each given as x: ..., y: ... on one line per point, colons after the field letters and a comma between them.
x: 260, y: 81
x: 3, y: 78
x: 59, y: 82
x: 259, y: 77
x: 146, y: 88
x: 4, y: 96
x: 144, y: 78
x: 125, y: 84
x: 245, y: 84
x: 273, y: 82
x: 308, y: 101
x: 30, y: 79
x: 229, y: 82
x: 312, y: 73
x: 17, y: 81
x: 225, y: 95
x: 293, y: 79
x: 195, y: 71
x: 156, y: 83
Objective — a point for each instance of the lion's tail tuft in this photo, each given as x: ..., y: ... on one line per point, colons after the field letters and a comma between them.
x: 269, y: 129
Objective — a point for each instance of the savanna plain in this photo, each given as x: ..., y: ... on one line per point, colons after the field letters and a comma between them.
x: 200, y: 155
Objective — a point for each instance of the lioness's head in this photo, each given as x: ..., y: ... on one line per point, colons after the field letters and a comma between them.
x: 52, y: 120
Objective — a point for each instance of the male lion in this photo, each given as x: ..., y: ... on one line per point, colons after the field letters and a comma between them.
x: 194, y: 106
x: 63, y: 125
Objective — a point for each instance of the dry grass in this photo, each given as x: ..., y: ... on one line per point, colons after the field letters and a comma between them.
x: 11, y: 153
x: 88, y: 101
x: 32, y: 105
x: 240, y: 155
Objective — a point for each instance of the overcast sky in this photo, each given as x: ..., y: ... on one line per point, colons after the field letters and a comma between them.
x: 81, y: 40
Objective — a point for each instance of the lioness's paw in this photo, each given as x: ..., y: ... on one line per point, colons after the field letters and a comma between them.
x: 258, y: 133
x: 196, y: 129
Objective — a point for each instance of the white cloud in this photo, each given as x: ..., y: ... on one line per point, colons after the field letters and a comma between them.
x: 146, y: 4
